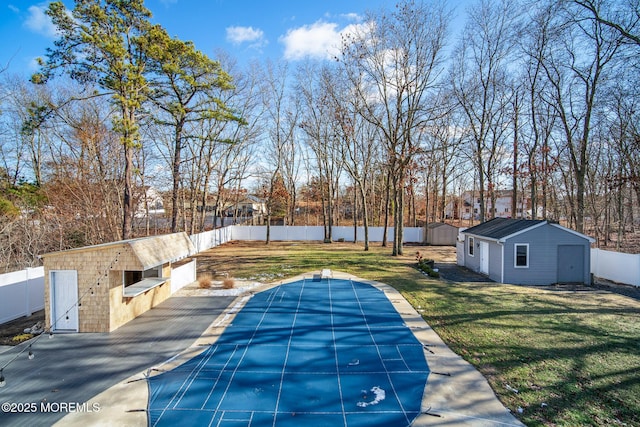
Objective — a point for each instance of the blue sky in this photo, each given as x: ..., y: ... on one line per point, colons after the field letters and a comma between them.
x: 250, y: 29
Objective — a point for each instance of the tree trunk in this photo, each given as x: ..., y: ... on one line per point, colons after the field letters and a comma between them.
x: 399, y: 223
x: 514, y: 180
x: 268, y: 238
x: 127, y: 200
x: 365, y: 214
x: 354, y: 213
x: 176, y: 177
x: 387, y: 196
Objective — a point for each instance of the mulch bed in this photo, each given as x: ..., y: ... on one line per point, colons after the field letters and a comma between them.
x: 16, y: 327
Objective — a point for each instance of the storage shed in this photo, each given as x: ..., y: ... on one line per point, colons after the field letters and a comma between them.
x: 441, y: 234
x: 100, y: 288
x: 527, y: 252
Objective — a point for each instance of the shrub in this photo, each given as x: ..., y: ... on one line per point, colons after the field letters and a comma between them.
x: 22, y: 337
x: 426, y: 266
x: 204, y: 282
x: 228, y: 283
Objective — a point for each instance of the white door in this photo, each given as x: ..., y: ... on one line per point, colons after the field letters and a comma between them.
x: 484, y: 258
x: 64, y: 300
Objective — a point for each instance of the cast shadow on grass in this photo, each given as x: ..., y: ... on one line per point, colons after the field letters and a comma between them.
x: 572, y: 356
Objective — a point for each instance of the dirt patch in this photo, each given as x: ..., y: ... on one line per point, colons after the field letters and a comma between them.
x: 16, y: 327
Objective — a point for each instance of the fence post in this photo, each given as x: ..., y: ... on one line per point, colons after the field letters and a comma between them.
x: 26, y: 292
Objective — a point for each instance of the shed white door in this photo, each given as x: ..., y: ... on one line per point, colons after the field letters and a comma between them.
x: 64, y: 300
x: 484, y: 257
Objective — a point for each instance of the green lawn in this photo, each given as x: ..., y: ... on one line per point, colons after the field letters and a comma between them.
x: 573, y: 356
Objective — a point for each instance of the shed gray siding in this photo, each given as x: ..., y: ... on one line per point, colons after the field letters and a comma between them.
x: 545, y: 241
x: 495, y: 256
x: 495, y: 261
x: 543, y: 255
x: 471, y: 262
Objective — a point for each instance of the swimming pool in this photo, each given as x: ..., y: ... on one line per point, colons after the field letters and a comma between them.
x: 316, y: 352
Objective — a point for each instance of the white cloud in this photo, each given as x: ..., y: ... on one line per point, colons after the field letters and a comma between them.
x: 352, y: 16
x: 239, y: 35
x: 39, y: 22
x: 321, y: 40
x: 13, y: 8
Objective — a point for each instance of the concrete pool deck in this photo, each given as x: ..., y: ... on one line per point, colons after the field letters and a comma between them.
x: 456, y: 394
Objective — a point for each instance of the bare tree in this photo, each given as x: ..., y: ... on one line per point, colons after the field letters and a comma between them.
x: 322, y: 130
x: 576, y: 64
x: 539, y: 123
x: 478, y: 77
x: 282, y: 118
x: 360, y: 144
x: 621, y: 16
x: 393, y: 62
x: 443, y: 157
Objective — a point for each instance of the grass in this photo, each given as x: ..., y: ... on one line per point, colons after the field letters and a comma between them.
x: 572, y: 356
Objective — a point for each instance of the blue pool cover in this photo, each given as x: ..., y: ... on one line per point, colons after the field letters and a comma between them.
x: 314, y: 353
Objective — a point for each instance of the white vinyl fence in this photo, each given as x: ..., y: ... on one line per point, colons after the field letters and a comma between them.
x: 183, y: 275
x: 299, y: 233
x: 211, y: 239
x: 21, y: 293
x: 616, y: 266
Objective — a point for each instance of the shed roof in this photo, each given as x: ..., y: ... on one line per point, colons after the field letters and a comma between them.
x: 433, y: 225
x: 500, y: 229
x: 157, y: 250
x: 147, y: 252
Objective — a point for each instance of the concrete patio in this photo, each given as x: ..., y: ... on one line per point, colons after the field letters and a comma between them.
x: 73, y: 368
x: 107, y: 371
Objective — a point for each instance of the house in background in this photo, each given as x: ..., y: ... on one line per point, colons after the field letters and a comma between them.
x: 247, y: 206
x: 235, y: 208
x: 100, y: 288
x: 149, y: 202
x: 467, y: 206
x: 526, y: 252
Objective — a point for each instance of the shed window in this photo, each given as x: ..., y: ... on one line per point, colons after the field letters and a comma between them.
x: 522, y: 255
x: 133, y: 277
x: 138, y: 282
x: 470, y: 242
